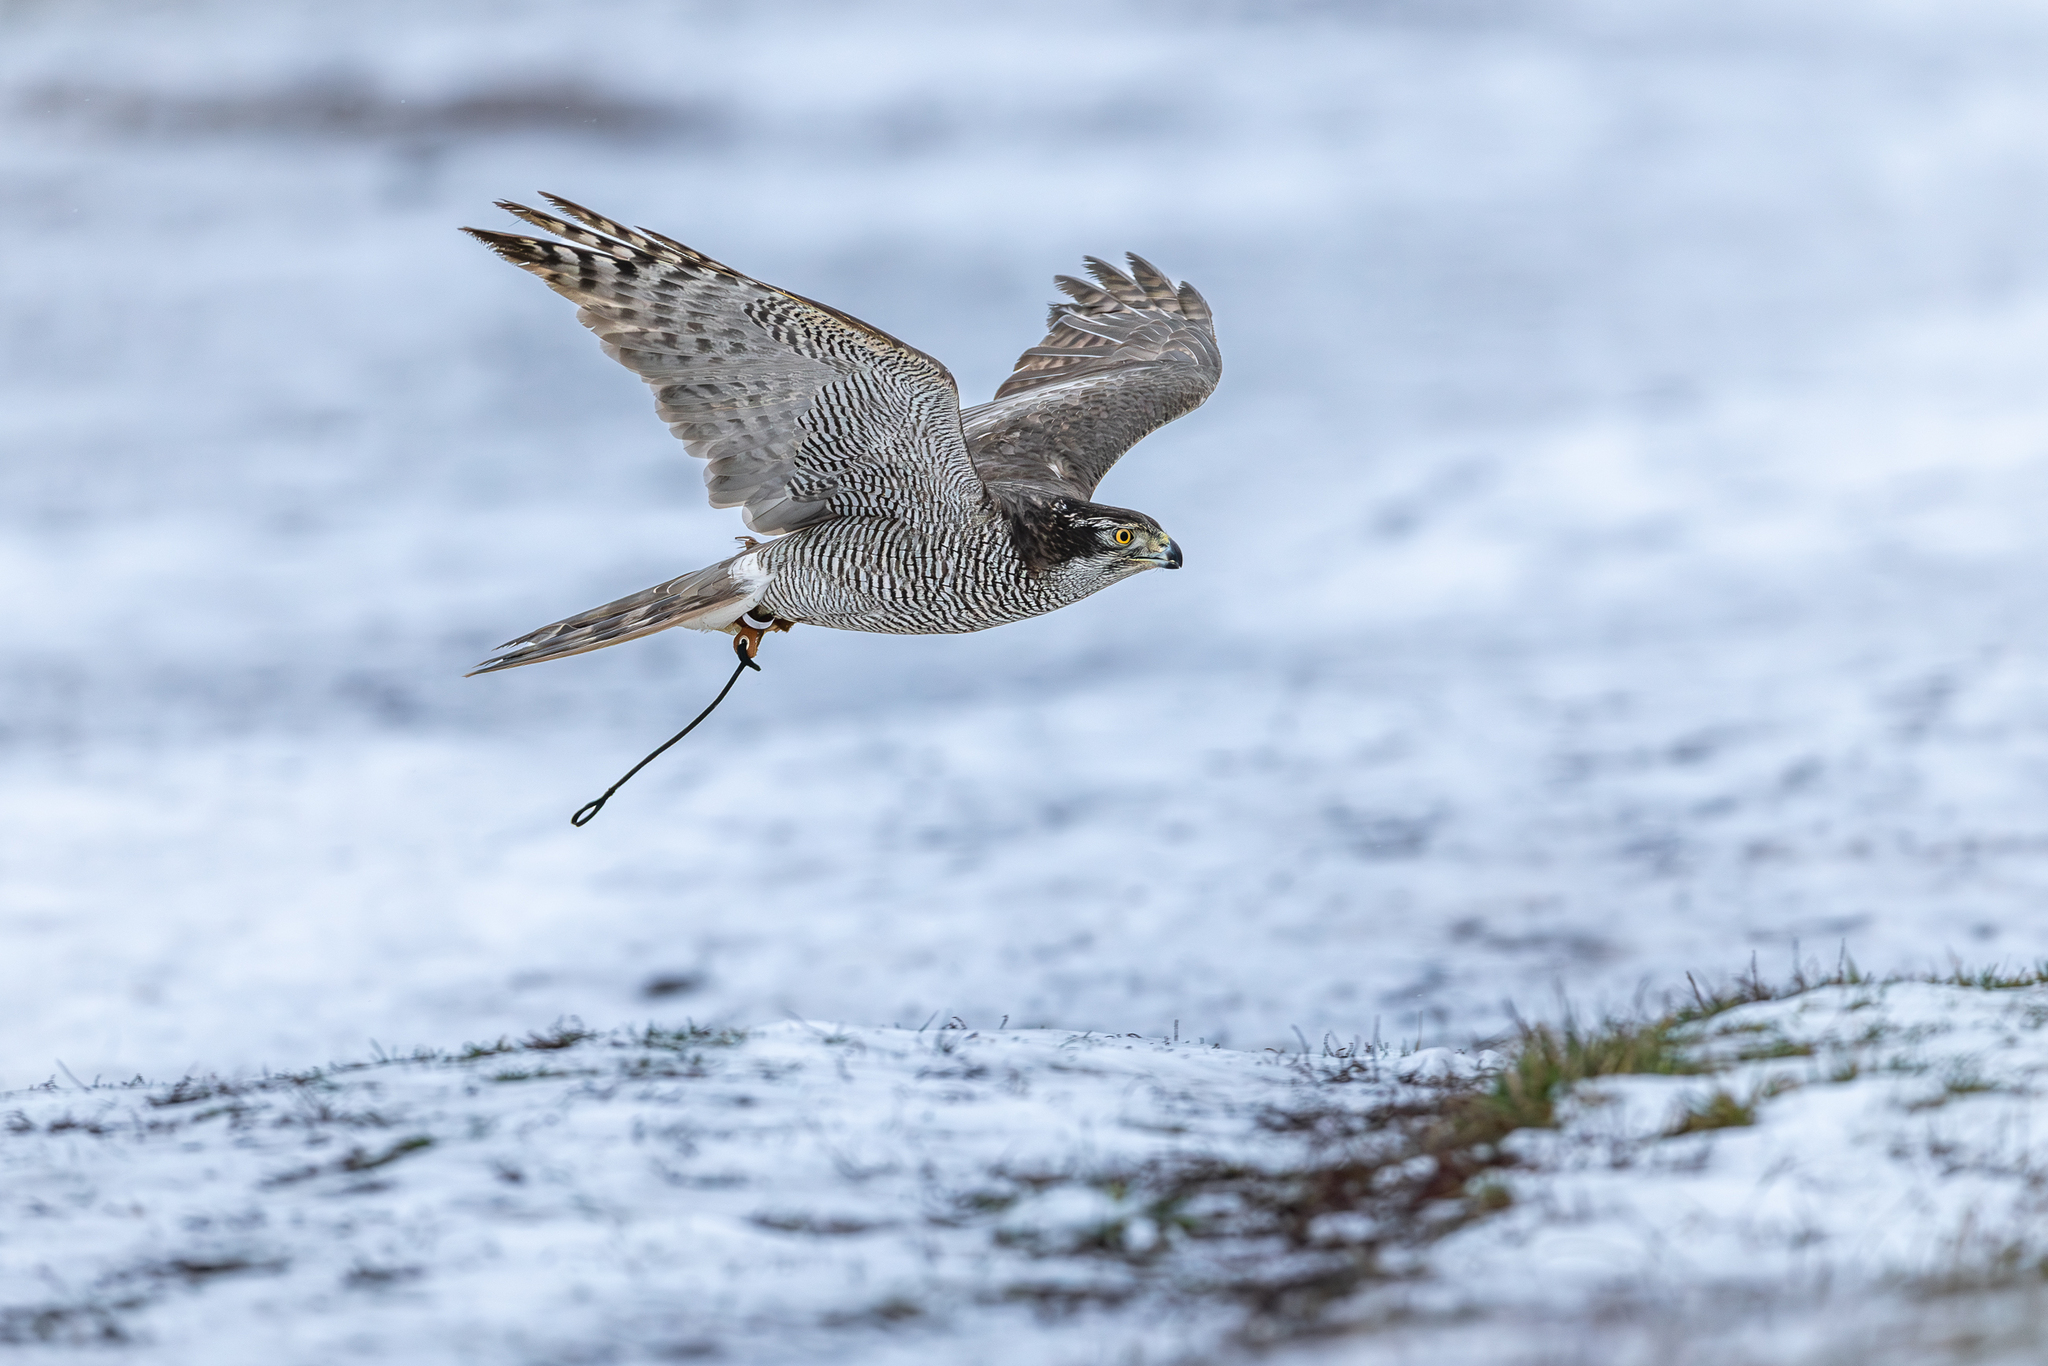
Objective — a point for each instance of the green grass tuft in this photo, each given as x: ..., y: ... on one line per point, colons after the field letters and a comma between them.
x: 362, y: 1160
x: 1775, y: 1048
x: 1719, y: 1110
x: 1550, y: 1060
x: 1996, y: 979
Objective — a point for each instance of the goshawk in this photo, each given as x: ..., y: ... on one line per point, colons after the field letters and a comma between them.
x: 889, y: 507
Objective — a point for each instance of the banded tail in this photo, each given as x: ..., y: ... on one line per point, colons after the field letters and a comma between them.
x: 705, y: 599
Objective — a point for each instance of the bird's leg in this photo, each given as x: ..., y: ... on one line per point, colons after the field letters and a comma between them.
x: 745, y: 630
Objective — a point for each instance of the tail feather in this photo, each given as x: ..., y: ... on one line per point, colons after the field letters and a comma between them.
x: 707, y: 599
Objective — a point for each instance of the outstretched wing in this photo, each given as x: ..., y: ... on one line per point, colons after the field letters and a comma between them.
x: 804, y: 413
x: 1129, y: 355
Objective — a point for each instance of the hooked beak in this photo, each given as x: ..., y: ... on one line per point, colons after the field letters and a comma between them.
x: 1167, y: 557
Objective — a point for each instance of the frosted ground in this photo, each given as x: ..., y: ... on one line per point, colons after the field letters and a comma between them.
x: 813, y: 1192
x: 1614, y: 550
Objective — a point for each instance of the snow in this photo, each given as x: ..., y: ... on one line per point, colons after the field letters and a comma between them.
x: 1612, y: 552
x: 1886, y: 1205
x: 811, y: 1190
x: 805, y: 1191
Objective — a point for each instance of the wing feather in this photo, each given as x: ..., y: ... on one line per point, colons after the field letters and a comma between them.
x: 1129, y: 354
x: 801, y: 412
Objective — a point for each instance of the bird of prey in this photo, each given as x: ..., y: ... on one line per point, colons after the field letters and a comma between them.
x: 889, y: 508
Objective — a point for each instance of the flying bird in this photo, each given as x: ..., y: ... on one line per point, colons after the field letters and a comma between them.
x: 887, y: 507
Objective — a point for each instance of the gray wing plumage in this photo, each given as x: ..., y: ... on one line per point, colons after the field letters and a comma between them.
x: 1130, y: 354
x: 803, y: 412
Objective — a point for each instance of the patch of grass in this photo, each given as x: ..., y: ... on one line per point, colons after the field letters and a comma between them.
x: 1995, y: 978
x: 1779, y: 1047
x: 1749, y: 988
x: 96, y: 1321
x: 1961, y: 1081
x: 536, y: 1074
x: 191, y: 1089
x: 1717, y: 1110
x: 562, y: 1034
x: 1380, y: 1178
x: 235, y: 1111
x: 1376, y: 1181
x: 673, y: 1067
x: 1488, y: 1195
x: 314, y: 1111
x: 472, y: 1051
x: 689, y: 1035
x: 1549, y: 1060
x: 362, y: 1160
x: 68, y: 1123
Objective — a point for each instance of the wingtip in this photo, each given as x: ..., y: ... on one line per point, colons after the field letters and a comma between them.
x: 1117, y: 285
x: 503, y: 244
x: 1157, y: 284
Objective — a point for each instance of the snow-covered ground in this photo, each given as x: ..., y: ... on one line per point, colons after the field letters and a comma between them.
x: 1887, y: 1205
x: 1613, y: 550
x: 811, y: 1192
x: 808, y: 1193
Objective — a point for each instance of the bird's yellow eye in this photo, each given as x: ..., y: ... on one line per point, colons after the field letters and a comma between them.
x: 1123, y: 535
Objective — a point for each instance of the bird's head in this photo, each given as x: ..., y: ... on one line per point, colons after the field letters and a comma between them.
x: 1091, y: 539
x: 1125, y: 541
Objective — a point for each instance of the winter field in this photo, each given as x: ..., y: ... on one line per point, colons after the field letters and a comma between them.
x: 1613, y: 553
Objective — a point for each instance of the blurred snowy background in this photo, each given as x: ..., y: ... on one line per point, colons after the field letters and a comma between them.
x: 1614, y: 550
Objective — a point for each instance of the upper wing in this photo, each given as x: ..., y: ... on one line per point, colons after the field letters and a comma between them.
x: 804, y: 413
x: 1120, y: 362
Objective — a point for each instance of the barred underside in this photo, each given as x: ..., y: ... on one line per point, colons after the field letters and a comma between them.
x: 869, y: 576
